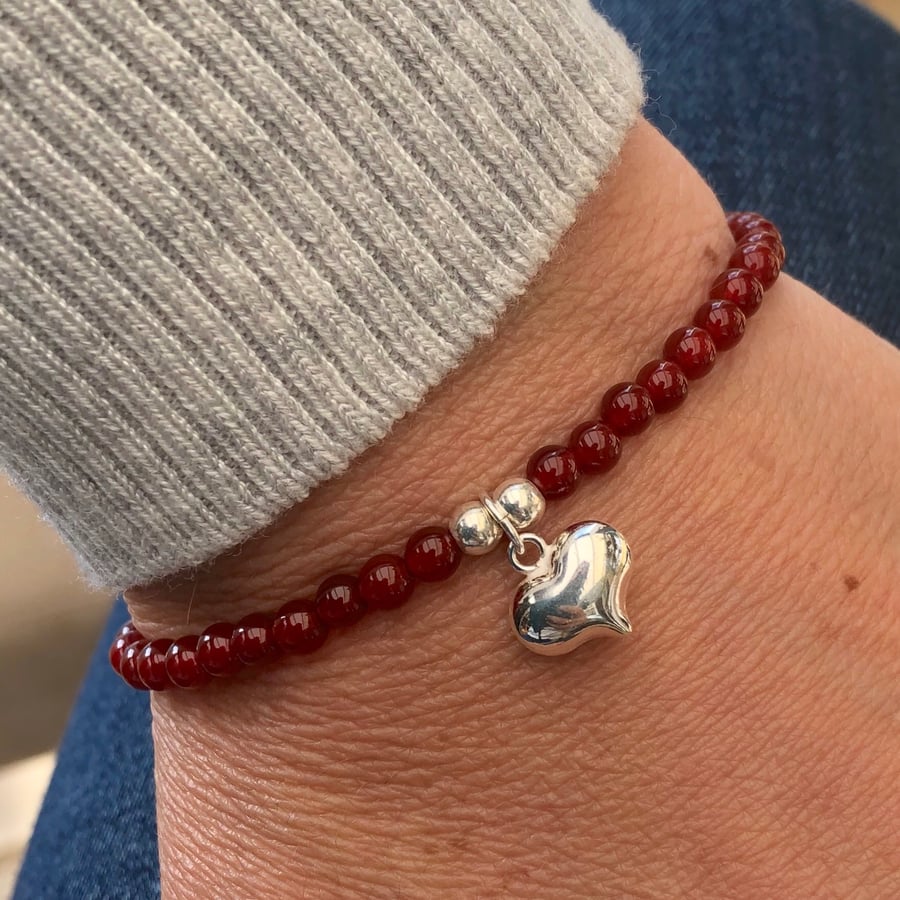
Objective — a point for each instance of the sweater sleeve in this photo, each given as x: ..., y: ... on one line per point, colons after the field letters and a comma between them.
x: 238, y: 240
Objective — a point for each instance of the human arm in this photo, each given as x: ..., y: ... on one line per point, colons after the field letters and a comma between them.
x: 741, y: 743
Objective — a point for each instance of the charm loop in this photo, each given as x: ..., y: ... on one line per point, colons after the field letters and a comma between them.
x: 514, y: 552
x: 518, y: 543
x: 501, y: 517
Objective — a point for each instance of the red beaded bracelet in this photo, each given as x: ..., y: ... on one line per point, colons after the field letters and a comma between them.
x: 572, y: 592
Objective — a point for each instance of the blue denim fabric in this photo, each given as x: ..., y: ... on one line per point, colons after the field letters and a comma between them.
x: 96, y: 834
x: 792, y: 108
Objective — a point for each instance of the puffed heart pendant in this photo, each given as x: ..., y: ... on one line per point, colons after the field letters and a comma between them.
x: 575, y: 590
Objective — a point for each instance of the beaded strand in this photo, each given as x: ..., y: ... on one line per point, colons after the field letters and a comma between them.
x: 432, y: 554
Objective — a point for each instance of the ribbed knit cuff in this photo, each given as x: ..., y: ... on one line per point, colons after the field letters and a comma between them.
x: 239, y: 240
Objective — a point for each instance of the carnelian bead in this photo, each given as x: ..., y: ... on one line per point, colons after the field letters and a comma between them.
x: 595, y: 447
x: 252, y: 640
x: 298, y: 629
x: 627, y: 408
x: 151, y: 665
x: 128, y: 630
x: 692, y: 350
x: 763, y: 237
x: 724, y: 321
x: 432, y: 554
x: 760, y: 259
x: 214, y: 650
x: 182, y: 664
x: 385, y: 582
x: 741, y: 287
x: 666, y: 384
x: 128, y: 667
x: 554, y: 471
x: 744, y: 223
x: 127, y: 635
x: 338, y: 602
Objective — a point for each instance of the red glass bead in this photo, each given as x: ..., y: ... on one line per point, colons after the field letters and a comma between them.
x: 760, y: 259
x: 554, y: 470
x: 338, y: 602
x: 627, y: 408
x: 297, y: 628
x: 385, y: 582
x: 724, y: 321
x: 741, y: 287
x: 738, y: 220
x: 151, y: 665
x: 128, y: 667
x: 666, y: 384
x: 252, y: 641
x: 214, y: 650
x: 595, y: 447
x: 763, y: 237
x: 432, y: 554
x: 692, y: 350
x: 128, y: 630
x: 128, y: 635
x: 744, y: 223
x: 182, y: 665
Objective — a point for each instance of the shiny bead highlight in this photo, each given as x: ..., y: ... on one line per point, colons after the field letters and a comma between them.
x: 182, y: 666
x: 724, y: 322
x: 385, y: 582
x: 126, y: 636
x: 252, y: 641
x: 692, y: 350
x: 627, y: 409
x: 522, y: 502
x: 554, y: 470
x: 741, y: 287
x: 432, y: 555
x: 338, y: 602
x: 128, y: 666
x: 151, y: 665
x: 666, y: 384
x: 743, y: 223
x: 475, y: 529
x: 214, y: 651
x: 760, y: 259
x: 595, y: 447
x: 298, y: 629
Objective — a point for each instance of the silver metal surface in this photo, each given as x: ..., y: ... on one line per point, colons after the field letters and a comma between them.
x: 515, y: 552
x: 501, y: 517
x: 523, y: 503
x: 475, y: 529
x: 575, y: 592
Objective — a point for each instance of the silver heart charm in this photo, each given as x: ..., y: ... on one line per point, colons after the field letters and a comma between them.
x: 574, y: 592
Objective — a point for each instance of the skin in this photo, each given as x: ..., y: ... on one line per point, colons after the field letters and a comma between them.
x: 744, y: 742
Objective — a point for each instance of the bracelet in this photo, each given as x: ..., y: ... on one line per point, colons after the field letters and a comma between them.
x: 573, y: 589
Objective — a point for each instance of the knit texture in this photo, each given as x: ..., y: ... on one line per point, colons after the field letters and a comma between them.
x: 240, y: 238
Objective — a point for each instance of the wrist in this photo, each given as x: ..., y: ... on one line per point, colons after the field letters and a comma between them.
x: 412, y: 754
x: 643, y: 250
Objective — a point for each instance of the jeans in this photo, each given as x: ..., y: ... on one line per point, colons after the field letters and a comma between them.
x: 790, y: 108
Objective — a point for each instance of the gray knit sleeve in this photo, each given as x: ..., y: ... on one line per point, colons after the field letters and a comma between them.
x: 240, y: 238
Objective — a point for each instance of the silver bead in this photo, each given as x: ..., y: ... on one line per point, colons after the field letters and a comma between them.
x: 474, y: 529
x: 522, y: 502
